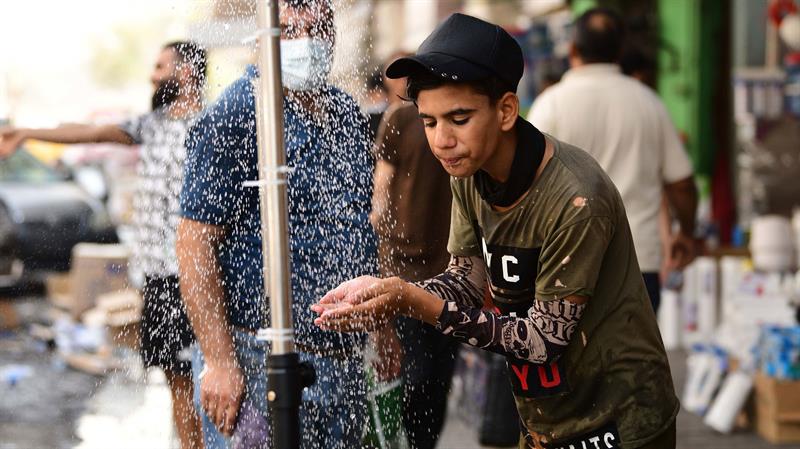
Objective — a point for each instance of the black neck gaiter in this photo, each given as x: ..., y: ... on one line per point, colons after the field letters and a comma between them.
x: 527, y: 157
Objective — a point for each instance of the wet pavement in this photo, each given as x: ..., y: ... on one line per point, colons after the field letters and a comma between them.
x: 45, y: 404
x: 40, y: 410
x: 52, y: 406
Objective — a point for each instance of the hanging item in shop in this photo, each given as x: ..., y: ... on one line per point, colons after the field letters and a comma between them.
x: 779, y: 9
x: 789, y: 31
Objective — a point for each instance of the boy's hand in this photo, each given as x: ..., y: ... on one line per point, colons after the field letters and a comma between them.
x: 364, y: 304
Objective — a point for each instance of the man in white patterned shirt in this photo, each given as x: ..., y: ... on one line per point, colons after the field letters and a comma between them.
x: 178, y: 80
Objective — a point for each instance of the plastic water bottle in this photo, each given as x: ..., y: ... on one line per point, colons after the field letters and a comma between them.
x: 731, y: 398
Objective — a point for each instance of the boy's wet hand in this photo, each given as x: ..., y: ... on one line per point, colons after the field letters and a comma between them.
x: 321, y: 308
x: 350, y: 291
x: 361, y: 305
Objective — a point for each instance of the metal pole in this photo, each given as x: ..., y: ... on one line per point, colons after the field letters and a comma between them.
x: 273, y: 172
x: 286, y: 376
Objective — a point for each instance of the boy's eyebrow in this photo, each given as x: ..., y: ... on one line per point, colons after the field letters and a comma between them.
x: 459, y: 111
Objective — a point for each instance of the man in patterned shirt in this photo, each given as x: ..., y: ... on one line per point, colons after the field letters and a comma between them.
x: 542, y: 222
x: 178, y: 80
x: 330, y: 240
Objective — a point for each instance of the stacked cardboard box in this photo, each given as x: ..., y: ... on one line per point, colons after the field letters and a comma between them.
x: 9, y: 318
x: 120, y: 312
x: 93, y: 300
x: 777, y: 409
x: 96, y: 269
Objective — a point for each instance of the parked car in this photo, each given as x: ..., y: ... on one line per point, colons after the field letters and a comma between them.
x: 43, y: 214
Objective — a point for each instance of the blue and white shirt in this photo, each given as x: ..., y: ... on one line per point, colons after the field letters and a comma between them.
x: 330, y: 190
x: 156, y: 206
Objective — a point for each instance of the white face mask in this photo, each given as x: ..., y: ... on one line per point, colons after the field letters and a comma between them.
x: 305, y: 63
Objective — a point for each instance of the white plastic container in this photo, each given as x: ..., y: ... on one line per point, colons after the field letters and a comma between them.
x: 706, y: 296
x: 688, y: 305
x: 731, y: 398
x: 796, y: 232
x: 772, y: 243
x: 710, y: 384
x: 669, y: 319
x: 705, y: 368
x: 731, y: 270
x: 697, y: 363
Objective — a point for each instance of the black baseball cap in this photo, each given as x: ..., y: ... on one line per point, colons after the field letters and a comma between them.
x: 465, y: 48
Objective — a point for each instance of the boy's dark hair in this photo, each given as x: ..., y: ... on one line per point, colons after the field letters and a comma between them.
x: 599, y: 35
x: 191, y: 53
x: 492, y: 87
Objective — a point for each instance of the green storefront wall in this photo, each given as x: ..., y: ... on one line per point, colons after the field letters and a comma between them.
x: 689, y: 75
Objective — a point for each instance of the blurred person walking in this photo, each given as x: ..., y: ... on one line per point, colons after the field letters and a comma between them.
x: 220, y: 247
x: 382, y: 93
x: 626, y: 128
x: 376, y: 102
x: 179, y: 81
x: 410, y: 184
x: 639, y: 64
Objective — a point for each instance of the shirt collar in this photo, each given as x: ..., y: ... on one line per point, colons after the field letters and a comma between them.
x: 528, y: 156
x: 593, y: 69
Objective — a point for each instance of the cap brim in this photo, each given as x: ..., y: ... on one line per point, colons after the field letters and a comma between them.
x: 438, y: 64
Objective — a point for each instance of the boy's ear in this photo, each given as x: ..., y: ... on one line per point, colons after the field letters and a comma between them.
x: 508, y: 108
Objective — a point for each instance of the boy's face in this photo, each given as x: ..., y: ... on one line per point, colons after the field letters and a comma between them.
x: 462, y: 127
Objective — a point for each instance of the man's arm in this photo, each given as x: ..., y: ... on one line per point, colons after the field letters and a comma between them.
x: 679, y: 190
x: 222, y: 385
x: 540, y: 337
x: 451, y: 301
x: 385, y: 341
x: 12, y: 138
x: 387, y: 146
x: 384, y: 171
x: 682, y: 197
x: 665, y: 238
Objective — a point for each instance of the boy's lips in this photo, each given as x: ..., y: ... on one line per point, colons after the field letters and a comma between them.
x: 452, y: 160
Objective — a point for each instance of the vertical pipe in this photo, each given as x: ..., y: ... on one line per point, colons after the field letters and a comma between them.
x: 273, y: 174
x: 286, y: 376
